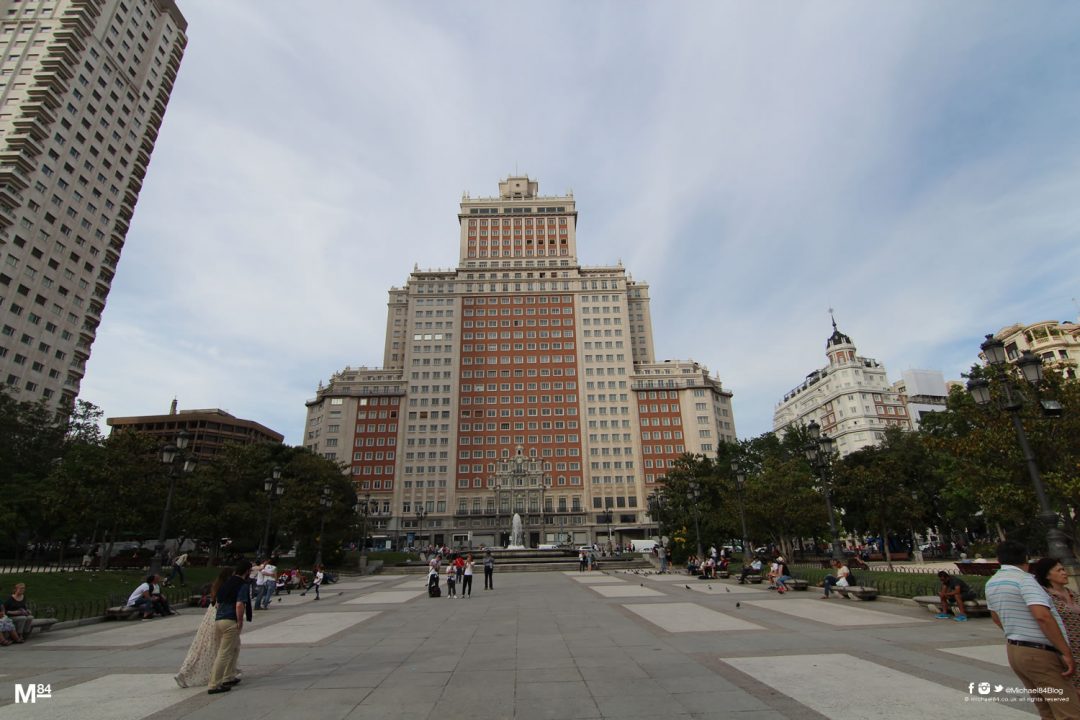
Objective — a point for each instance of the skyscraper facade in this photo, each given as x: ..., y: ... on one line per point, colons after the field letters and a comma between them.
x: 519, y: 382
x: 83, y: 90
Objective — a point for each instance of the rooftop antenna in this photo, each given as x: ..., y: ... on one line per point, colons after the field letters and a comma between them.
x: 833, y: 317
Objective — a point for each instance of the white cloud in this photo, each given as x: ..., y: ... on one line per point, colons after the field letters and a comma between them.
x: 911, y: 165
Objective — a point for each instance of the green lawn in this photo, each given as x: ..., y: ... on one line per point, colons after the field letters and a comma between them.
x: 895, y: 584
x: 73, y: 595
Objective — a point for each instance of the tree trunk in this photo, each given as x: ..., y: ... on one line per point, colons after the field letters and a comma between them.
x: 1000, y: 532
x: 885, y: 547
x: 107, y: 553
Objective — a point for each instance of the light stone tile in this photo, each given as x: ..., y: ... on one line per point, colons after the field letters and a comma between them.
x: 386, y: 597
x: 688, y: 617
x: 116, y: 697
x: 994, y: 654
x: 823, y: 683
x: 133, y: 632
x: 722, y: 588
x: 838, y: 613
x: 306, y: 629
x: 593, y: 578
x: 625, y: 591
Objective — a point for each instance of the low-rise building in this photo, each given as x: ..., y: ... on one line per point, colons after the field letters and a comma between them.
x: 210, y: 429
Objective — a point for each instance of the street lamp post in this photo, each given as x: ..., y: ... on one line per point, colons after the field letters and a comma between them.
x: 363, y: 508
x: 274, y: 490
x: 1032, y: 369
x: 421, y: 513
x: 325, y: 501
x: 695, y: 496
x: 169, y: 454
x: 819, y: 452
x: 740, y: 489
x: 498, y: 511
x: 543, y: 510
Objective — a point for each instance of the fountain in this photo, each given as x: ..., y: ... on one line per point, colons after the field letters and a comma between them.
x: 517, y: 536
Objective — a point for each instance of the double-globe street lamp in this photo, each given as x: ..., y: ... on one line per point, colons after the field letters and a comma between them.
x: 695, y: 498
x: 325, y: 502
x: 421, y: 513
x: 274, y: 489
x: 1031, y: 368
x: 820, y: 451
x: 169, y: 456
x: 740, y: 489
x: 363, y: 509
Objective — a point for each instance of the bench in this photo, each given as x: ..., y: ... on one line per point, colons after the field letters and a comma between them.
x: 754, y: 579
x: 972, y: 608
x: 120, y: 612
x: 859, y: 592
x: 895, y: 557
x: 43, y: 624
x: 797, y: 585
x: 723, y: 574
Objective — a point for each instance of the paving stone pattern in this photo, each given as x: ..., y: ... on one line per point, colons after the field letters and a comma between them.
x: 542, y: 645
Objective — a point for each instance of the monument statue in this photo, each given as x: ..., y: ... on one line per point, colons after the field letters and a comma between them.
x: 517, y: 536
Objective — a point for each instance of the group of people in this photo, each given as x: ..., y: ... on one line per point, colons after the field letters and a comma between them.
x: 1040, y: 617
x: 708, y: 567
x: 459, y: 574
x: 149, y: 600
x: 16, y: 621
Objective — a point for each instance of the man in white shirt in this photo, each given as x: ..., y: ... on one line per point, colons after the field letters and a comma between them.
x: 1038, y: 647
x: 142, y: 600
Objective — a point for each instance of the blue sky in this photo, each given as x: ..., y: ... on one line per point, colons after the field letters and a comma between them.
x: 915, y: 166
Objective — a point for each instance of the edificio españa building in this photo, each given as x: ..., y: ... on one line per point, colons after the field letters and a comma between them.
x: 519, y: 382
x: 83, y: 89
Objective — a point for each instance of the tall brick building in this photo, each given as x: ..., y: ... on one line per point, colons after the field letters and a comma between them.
x: 522, y: 382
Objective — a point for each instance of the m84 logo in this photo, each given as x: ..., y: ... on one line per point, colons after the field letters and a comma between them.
x: 31, y: 693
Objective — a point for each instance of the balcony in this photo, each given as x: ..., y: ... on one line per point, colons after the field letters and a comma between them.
x: 14, y: 177
x: 40, y: 112
x: 30, y: 126
x: 44, y: 94
x: 10, y: 197
x: 25, y: 142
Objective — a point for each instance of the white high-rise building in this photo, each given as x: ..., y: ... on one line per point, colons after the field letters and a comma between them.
x: 83, y: 89
x: 518, y: 349
x: 850, y: 398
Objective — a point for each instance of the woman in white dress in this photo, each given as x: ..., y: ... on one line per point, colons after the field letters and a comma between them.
x: 195, y: 671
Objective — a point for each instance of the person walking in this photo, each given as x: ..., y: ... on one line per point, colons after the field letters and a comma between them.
x: 583, y: 560
x: 489, y: 571
x: 178, y: 563
x: 316, y: 581
x: 1036, y: 642
x: 466, y: 577
x: 233, y: 601
x: 195, y: 670
x: 662, y: 556
x: 1054, y: 578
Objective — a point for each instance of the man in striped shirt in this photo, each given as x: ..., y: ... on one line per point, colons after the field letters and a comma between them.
x: 1037, y: 647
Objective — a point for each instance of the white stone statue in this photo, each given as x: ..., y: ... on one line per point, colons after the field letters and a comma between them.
x: 517, y: 536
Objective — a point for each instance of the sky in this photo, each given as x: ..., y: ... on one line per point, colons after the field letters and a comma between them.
x: 915, y: 166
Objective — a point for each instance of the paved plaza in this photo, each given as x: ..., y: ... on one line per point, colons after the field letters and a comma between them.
x: 542, y: 645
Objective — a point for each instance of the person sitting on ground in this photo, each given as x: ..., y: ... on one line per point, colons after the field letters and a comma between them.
x: 840, y: 579
x: 8, y: 633
x: 16, y: 609
x: 754, y: 568
x: 954, y: 591
x: 141, y: 598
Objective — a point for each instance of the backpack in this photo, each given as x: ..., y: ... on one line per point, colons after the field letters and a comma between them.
x: 851, y: 579
x: 434, y: 591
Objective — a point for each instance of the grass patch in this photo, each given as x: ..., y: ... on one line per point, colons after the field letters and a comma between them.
x: 894, y: 584
x: 80, y: 594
